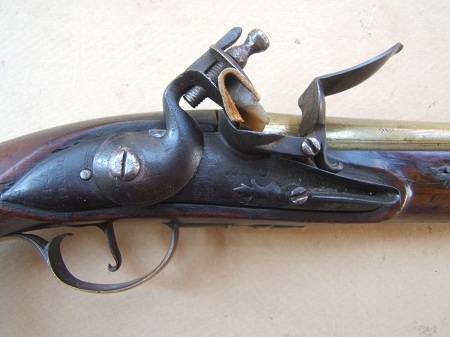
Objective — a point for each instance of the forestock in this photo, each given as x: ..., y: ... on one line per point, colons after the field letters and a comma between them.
x: 237, y: 165
x: 413, y: 157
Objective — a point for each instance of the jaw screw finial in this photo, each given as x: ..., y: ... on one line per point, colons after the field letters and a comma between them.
x: 256, y: 42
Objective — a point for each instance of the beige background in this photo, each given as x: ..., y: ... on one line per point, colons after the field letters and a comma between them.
x: 62, y: 62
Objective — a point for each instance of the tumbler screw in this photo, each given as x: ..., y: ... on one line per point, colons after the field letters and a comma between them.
x: 124, y: 164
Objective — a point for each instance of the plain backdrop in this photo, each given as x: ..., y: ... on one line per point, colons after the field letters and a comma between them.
x: 68, y: 61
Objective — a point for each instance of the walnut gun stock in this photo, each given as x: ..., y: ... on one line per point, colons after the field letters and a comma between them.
x: 237, y: 165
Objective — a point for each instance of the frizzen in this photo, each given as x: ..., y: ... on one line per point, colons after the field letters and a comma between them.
x: 237, y: 165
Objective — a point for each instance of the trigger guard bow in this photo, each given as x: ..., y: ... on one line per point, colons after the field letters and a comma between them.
x: 51, y: 253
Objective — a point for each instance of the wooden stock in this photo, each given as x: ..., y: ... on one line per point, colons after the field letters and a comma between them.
x: 414, y: 158
x: 422, y: 177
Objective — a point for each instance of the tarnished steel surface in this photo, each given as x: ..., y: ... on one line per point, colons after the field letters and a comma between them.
x: 216, y: 167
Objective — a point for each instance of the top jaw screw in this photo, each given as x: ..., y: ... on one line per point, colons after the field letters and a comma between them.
x: 256, y: 42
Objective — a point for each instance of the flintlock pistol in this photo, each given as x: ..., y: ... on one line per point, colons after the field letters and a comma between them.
x: 278, y: 170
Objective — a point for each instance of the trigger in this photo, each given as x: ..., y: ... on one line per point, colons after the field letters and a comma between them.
x: 108, y: 229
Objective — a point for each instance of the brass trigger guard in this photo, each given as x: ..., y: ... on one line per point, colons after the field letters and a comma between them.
x: 51, y: 253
